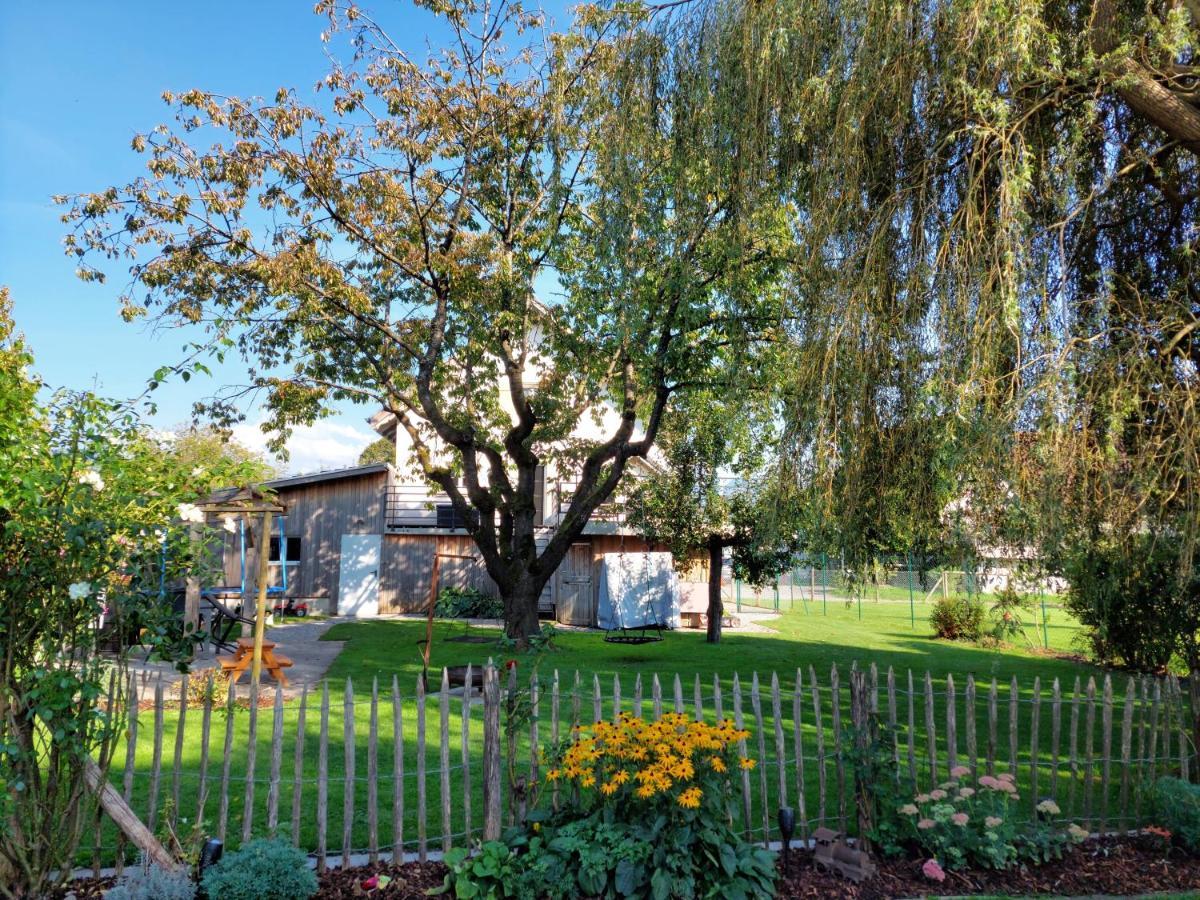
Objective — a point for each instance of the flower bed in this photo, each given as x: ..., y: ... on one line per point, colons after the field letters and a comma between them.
x: 1119, y: 867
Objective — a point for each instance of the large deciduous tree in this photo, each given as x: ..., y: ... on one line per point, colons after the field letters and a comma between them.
x: 996, y: 205
x: 386, y: 247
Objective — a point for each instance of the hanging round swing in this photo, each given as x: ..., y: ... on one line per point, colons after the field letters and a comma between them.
x: 647, y: 632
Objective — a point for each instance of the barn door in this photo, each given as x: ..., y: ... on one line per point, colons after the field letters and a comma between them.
x: 575, y: 587
x: 358, y: 580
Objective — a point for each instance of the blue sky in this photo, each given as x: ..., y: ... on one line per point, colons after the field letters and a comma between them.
x: 77, y: 81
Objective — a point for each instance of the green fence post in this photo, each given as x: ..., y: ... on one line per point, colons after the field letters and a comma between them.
x: 912, y: 609
x: 824, y: 585
x: 792, y: 588
x: 1045, y: 629
x: 776, y: 595
x: 737, y: 586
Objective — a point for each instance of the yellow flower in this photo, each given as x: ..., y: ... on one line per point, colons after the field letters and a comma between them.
x: 587, y: 779
x: 746, y: 763
x: 553, y: 775
x: 718, y: 764
x: 690, y: 799
x: 609, y: 788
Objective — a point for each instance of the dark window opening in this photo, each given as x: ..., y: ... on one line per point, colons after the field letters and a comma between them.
x: 448, y: 517
x: 293, y: 550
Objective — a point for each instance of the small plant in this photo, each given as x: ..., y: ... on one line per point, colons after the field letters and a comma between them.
x: 261, y: 870
x: 959, y: 824
x: 957, y: 618
x: 1176, y: 807
x: 149, y: 881
x: 1007, y: 612
x: 467, y: 603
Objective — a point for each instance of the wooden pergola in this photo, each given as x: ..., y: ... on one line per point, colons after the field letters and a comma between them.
x: 248, y: 503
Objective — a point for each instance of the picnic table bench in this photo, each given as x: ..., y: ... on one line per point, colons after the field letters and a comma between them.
x: 243, y: 657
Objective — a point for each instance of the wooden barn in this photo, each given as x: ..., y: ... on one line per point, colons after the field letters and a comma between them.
x: 362, y: 542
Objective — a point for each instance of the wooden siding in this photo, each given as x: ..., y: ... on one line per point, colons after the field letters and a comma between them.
x: 319, y: 513
x: 407, y: 567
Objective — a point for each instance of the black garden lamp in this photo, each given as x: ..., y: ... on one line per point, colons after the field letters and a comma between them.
x: 210, y: 855
x: 787, y: 827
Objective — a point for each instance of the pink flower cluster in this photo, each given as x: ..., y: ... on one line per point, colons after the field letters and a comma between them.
x: 933, y: 871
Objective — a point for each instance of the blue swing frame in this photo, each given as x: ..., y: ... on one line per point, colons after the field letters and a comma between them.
x: 272, y: 590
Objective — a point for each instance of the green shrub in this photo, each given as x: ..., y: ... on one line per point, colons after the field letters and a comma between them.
x: 1128, y: 595
x: 147, y: 881
x: 261, y: 870
x: 467, y: 603
x: 957, y: 618
x: 1009, y: 607
x: 1176, y: 806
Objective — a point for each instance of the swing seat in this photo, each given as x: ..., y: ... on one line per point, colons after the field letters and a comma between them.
x: 641, y: 634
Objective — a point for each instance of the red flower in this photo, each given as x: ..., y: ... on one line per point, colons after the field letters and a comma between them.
x: 371, y: 883
x: 511, y: 664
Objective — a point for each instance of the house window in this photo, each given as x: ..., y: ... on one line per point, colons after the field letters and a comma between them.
x: 292, y: 550
x: 448, y: 517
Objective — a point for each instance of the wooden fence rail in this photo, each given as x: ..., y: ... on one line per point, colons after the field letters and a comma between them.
x: 1092, y: 747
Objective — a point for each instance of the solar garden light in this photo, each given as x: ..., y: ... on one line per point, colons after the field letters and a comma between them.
x: 210, y: 855
x: 787, y: 827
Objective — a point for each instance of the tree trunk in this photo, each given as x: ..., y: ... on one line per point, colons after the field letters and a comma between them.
x: 716, y: 610
x: 521, y: 611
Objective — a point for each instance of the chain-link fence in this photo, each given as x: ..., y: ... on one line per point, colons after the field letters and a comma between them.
x: 896, y: 589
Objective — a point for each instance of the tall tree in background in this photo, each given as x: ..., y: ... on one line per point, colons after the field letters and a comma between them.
x: 385, y: 248
x: 382, y: 450
x: 717, y: 492
x: 205, y: 451
x: 996, y: 208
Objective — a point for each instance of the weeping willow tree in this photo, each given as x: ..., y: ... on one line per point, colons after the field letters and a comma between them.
x: 994, y: 295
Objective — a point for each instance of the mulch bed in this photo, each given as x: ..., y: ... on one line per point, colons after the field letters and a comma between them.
x: 1113, y: 866
x: 1109, y: 866
x: 409, y: 882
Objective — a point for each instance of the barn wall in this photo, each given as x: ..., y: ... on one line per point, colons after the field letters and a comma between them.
x: 319, y: 514
x: 407, y: 567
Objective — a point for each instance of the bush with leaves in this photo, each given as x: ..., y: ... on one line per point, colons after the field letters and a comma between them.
x: 94, y: 518
x: 261, y: 870
x: 645, y: 811
x: 1128, y: 594
x: 1176, y: 807
x: 148, y: 881
x: 468, y: 603
x: 957, y: 618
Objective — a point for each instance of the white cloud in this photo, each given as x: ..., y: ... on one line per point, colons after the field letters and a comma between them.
x: 327, y: 444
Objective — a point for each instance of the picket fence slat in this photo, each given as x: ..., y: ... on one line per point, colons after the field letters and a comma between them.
x: 835, y: 697
x: 1126, y: 743
x: 444, y: 757
x: 993, y: 726
x: 930, y: 731
x: 373, y: 775
x: 323, y: 782
x: 969, y: 710
x: 491, y: 751
x: 156, y: 762
x: 251, y: 762
x: 276, y: 762
x: 761, y: 733
x: 819, y: 725
x: 465, y: 730
x: 348, y: 782
x: 1089, y: 737
x: 422, y: 799
x: 912, y: 731
x: 798, y: 750
x: 397, y: 768
x: 177, y: 758
x: 227, y: 762
x: 1034, y: 746
x: 298, y: 765
x: 1106, y: 750
x: 951, y: 725
x: 1055, y: 736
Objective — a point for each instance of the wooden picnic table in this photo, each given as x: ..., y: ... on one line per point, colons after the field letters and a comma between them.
x: 243, y: 656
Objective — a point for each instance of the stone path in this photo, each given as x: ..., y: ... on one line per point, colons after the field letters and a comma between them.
x: 299, y: 641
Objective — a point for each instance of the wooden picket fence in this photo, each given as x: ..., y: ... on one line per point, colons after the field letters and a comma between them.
x: 343, y: 773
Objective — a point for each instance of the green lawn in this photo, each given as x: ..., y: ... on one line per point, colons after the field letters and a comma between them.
x: 806, y: 635
x: 378, y: 651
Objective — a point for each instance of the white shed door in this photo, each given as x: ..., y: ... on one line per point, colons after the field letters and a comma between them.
x: 358, y: 580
